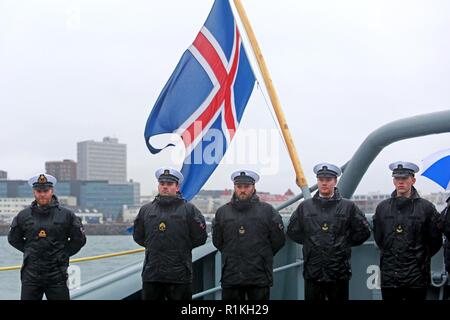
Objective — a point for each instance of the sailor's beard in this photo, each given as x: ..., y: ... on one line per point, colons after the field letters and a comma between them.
x: 243, y: 203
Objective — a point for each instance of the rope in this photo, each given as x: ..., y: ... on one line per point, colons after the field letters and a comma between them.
x: 102, y: 256
x: 271, y: 113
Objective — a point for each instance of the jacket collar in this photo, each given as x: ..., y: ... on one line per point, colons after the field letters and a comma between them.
x: 414, y: 194
x: 54, y: 203
x: 168, y: 200
x: 336, y: 196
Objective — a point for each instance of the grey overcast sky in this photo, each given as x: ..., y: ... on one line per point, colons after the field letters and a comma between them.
x: 78, y: 70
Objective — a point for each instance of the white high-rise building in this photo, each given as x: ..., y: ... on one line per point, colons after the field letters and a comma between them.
x: 106, y: 160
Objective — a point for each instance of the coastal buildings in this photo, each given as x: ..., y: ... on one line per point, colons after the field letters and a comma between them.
x: 11, y: 206
x: 368, y: 202
x: 65, y: 170
x: 106, y: 160
x: 100, y: 195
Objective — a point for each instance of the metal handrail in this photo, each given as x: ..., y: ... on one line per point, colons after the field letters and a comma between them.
x: 102, y: 256
x: 92, y: 258
x: 298, y: 263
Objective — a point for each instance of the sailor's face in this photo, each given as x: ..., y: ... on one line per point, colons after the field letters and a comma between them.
x: 168, y: 188
x: 244, y: 191
x: 326, y: 185
x: 403, y: 185
x: 43, y: 196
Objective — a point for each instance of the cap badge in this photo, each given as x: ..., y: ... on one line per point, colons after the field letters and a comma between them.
x: 42, y: 179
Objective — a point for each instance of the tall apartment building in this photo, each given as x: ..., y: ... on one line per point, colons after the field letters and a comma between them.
x: 106, y: 160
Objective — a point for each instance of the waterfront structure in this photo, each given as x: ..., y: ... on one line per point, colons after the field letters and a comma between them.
x: 106, y: 160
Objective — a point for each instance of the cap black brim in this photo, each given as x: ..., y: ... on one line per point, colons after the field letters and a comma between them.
x: 244, y: 181
x: 43, y: 188
x: 167, y: 180
x: 326, y: 175
x: 402, y: 175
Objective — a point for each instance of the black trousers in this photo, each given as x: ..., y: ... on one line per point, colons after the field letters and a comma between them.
x: 408, y: 294
x: 166, y: 291
x: 249, y: 292
x: 58, y: 291
x: 337, y: 290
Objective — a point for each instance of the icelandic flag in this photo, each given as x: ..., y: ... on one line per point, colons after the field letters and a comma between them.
x: 205, y: 97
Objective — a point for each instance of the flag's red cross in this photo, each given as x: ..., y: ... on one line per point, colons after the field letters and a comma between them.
x: 224, y: 94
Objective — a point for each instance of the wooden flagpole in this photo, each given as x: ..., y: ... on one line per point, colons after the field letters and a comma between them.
x: 300, y: 177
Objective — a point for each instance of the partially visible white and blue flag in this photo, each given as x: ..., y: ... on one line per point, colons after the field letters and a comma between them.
x: 436, y: 167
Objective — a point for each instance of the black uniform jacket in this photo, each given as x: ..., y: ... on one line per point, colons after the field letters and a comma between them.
x: 47, y: 236
x: 407, y: 232
x: 169, y: 228
x: 328, y: 228
x: 248, y: 234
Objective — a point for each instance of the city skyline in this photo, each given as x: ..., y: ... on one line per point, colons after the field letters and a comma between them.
x: 229, y: 187
x: 423, y: 184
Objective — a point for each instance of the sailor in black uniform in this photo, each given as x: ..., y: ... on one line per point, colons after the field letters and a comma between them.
x: 47, y: 234
x: 407, y: 231
x: 445, y: 219
x: 328, y: 226
x: 248, y: 233
x: 169, y: 228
